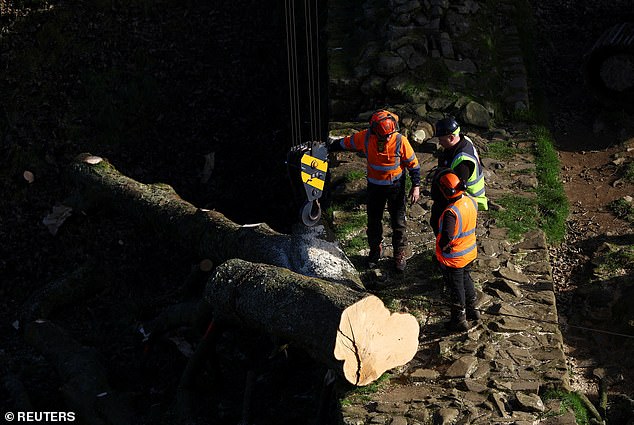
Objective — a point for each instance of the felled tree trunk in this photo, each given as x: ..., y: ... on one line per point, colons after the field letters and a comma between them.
x: 85, y: 385
x: 75, y: 286
x: 207, y: 234
x: 349, y: 331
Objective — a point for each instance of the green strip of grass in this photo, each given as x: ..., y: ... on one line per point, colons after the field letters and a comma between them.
x: 549, y: 210
x: 552, y: 203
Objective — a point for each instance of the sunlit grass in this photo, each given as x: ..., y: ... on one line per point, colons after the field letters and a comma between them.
x: 518, y: 215
x: 551, y: 198
x: 502, y: 149
x: 569, y: 401
x: 364, y: 393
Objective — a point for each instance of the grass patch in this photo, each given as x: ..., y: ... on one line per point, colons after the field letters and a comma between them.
x: 502, y: 149
x: 551, y: 199
x: 355, y: 245
x: 529, y: 116
x: 354, y: 175
x: 349, y: 227
x: 518, y: 215
x: 622, y: 209
x: 628, y: 174
x: 613, y: 261
x: 364, y: 394
x: 569, y: 401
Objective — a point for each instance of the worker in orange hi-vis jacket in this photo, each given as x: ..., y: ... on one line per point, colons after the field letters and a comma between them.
x: 388, y: 154
x: 456, y: 249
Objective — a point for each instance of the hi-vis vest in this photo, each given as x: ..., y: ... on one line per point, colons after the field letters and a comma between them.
x: 385, y: 166
x: 463, y: 241
x: 475, y: 184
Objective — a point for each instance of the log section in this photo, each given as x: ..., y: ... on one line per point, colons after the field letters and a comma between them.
x: 208, y: 234
x: 349, y: 331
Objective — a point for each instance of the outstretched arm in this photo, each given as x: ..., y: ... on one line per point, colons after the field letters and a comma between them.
x: 335, y: 144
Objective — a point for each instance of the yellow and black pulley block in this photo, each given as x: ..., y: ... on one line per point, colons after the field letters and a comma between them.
x: 308, y: 164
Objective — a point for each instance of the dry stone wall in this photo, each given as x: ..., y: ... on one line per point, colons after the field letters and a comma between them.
x: 429, y: 53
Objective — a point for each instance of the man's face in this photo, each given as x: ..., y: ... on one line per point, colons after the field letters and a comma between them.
x: 448, y: 141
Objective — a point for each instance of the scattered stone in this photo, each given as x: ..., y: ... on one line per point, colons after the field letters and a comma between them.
x: 476, y: 114
x: 447, y: 416
x: 526, y: 386
x: 507, y: 286
x: 392, y: 408
x: 542, y: 267
x: 514, y: 275
x: 399, y: 420
x: 500, y: 402
x: 508, y: 324
x: 533, y: 240
x: 462, y: 367
x: 420, y: 375
x: 475, y: 386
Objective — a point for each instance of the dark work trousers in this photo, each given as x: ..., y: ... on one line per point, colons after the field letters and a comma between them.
x: 394, y: 196
x: 460, y: 285
x: 437, y: 208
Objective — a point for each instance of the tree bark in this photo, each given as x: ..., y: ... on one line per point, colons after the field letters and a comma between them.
x: 71, y: 288
x: 349, y: 331
x: 207, y: 234
x: 85, y: 383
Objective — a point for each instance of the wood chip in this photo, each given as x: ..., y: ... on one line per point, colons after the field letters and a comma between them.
x: 28, y: 176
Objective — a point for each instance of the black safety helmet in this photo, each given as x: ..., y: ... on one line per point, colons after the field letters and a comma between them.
x: 446, y: 126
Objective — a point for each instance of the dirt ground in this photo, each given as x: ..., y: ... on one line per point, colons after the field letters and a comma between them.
x: 589, y: 136
x: 589, y: 179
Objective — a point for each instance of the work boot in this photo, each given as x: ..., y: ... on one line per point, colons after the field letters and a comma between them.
x: 375, y: 255
x: 399, y: 259
x: 472, y: 313
x: 458, y: 321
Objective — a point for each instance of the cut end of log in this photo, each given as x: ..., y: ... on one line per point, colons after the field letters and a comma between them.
x: 89, y: 159
x: 28, y: 176
x: 206, y: 265
x: 371, y: 340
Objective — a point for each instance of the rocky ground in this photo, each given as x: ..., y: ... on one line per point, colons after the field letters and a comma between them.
x: 424, y: 386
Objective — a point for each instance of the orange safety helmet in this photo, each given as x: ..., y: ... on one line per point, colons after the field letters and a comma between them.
x: 383, y: 123
x: 451, y: 186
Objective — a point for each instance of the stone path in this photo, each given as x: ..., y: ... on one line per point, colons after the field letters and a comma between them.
x: 496, y: 372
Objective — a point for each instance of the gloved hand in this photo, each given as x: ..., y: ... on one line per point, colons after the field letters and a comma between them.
x: 333, y: 144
